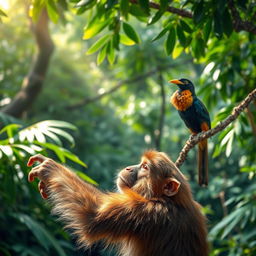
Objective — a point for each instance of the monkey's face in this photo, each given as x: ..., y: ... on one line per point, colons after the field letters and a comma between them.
x: 155, y: 176
x: 131, y: 175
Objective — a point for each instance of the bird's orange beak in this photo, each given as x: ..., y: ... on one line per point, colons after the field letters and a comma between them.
x: 175, y: 81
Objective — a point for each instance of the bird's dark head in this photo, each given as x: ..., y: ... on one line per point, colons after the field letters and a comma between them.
x: 184, y: 84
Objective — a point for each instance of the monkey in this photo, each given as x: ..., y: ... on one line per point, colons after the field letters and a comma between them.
x: 153, y: 212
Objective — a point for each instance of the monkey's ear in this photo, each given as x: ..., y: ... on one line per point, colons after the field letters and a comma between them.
x: 171, y: 187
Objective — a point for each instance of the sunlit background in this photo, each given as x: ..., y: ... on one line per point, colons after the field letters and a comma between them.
x: 108, y: 114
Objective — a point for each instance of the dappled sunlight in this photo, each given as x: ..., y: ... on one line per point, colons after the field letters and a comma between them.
x: 103, y: 97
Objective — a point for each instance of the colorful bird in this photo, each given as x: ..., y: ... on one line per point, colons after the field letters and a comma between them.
x: 196, y: 117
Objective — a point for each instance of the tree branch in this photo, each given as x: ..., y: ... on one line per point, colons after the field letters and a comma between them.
x: 180, y: 12
x: 238, y: 23
x: 33, y: 82
x: 193, y: 140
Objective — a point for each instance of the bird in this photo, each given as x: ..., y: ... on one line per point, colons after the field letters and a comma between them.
x: 196, y: 117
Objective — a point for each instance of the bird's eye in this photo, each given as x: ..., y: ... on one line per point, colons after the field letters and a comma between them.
x: 144, y: 166
x: 185, y: 82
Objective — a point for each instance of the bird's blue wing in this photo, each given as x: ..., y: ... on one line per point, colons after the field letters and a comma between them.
x: 202, y: 112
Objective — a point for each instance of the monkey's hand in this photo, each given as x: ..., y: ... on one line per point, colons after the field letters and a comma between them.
x: 42, y: 172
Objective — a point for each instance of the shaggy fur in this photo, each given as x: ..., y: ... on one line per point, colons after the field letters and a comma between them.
x: 140, y: 220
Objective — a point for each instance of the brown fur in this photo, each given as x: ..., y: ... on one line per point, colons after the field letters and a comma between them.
x: 140, y: 220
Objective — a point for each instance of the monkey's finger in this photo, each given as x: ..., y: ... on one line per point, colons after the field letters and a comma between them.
x: 42, y: 189
x: 36, y: 158
x: 41, y: 185
x: 32, y: 175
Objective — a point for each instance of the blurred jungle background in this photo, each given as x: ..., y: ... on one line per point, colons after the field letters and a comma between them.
x: 86, y: 83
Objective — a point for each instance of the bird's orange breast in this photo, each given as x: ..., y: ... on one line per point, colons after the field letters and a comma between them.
x: 182, y: 100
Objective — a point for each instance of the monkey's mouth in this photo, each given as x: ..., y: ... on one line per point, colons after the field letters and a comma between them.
x: 124, y: 182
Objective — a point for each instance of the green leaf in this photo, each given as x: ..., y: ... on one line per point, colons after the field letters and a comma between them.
x: 177, y: 51
x: 7, y: 150
x: 63, y: 134
x: 170, y: 41
x: 94, y: 27
x: 42, y: 235
x: 124, y: 7
x: 83, y: 3
x: 53, y: 137
x: 235, y: 216
x: 161, y: 34
x: 217, y: 151
x: 185, y: 26
x: 59, y: 151
x: 227, y: 137
x: 198, y: 47
x: 227, y: 23
x: 229, y: 144
x: 56, y: 123
x: 207, y: 29
x: 138, y: 12
x: 85, y: 177
x: 25, y: 148
x: 130, y: 32
x: 116, y: 40
x: 155, y: 18
x: 198, y: 14
x: 201, y: 46
x: 73, y: 157
x: 181, y: 36
x: 111, y: 53
x: 9, y: 129
x: 39, y: 135
x: 101, y: 55
x: 52, y: 10
x: 218, y: 29
x: 144, y: 4
x: 164, y: 4
x: 98, y: 44
x: 36, y: 9
x: 126, y: 40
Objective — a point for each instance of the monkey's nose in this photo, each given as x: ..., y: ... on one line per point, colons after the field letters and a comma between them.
x: 128, y: 169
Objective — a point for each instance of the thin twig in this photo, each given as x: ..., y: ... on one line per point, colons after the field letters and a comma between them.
x: 193, y: 140
x: 180, y: 12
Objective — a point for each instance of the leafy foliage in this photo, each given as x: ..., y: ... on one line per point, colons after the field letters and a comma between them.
x: 204, y: 46
x: 22, y: 209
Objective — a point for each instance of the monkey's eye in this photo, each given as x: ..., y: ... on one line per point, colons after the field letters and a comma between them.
x: 144, y: 166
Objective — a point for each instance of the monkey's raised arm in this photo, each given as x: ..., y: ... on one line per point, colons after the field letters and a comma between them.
x: 90, y: 214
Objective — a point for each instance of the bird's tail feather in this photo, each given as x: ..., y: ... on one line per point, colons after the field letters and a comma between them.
x: 203, y: 163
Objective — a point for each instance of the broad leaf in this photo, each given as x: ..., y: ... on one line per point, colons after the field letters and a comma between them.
x: 52, y: 11
x: 126, y: 40
x: 161, y: 34
x: 130, y: 32
x: 98, y: 44
x: 170, y: 41
x: 94, y: 27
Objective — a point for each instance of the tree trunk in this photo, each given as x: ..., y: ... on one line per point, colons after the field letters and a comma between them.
x: 33, y: 82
